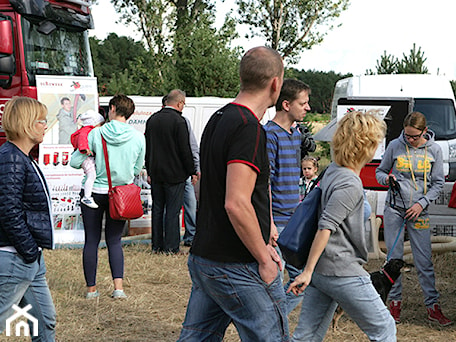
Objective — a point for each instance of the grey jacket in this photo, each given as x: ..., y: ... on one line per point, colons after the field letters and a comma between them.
x: 397, y: 159
x: 342, y: 204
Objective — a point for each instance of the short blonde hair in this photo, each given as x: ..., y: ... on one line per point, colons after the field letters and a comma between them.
x: 356, y: 138
x: 19, y: 117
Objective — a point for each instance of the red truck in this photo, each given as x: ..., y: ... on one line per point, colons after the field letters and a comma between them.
x: 41, y: 37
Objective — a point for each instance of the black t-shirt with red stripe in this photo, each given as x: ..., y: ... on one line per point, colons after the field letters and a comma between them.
x: 232, y: 135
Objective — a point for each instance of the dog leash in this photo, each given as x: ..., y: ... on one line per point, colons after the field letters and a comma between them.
x: 394, y: 191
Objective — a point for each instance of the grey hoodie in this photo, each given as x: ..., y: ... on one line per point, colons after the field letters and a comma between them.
x: 397, y: 159
x: 342, y: 201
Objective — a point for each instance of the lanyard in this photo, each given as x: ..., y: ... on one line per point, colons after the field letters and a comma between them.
x: 411, y: 168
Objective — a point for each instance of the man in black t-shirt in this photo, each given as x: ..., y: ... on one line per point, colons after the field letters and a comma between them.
x: 233, y: 266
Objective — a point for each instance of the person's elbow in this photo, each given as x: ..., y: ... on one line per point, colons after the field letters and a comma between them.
x: 234, y: 207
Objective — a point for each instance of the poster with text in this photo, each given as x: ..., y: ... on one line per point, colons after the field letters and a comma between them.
x: 66, y: 98
x: 378, y: 111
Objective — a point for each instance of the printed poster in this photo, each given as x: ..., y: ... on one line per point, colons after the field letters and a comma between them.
x: 379, y: 111
x: 66, y: 98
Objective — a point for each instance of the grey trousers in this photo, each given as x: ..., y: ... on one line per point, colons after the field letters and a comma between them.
x: 420, y: 240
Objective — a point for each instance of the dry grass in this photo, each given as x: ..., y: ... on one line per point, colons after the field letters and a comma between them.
x: 158, y: 287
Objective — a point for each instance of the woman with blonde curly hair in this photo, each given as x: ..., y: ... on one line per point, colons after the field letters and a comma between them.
x: 334, y: 271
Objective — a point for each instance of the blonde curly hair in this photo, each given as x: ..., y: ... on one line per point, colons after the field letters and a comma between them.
x: 356, y: 138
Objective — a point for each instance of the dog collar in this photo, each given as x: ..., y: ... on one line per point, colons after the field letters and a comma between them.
x: 387, y: 275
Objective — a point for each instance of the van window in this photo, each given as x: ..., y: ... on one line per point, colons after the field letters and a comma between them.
x: 440, y: 116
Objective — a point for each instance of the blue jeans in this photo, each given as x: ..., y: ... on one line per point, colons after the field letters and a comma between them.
x: 166, y: 204
x: 24, y: 284
x: 233, y: 292
x: 189, y: 211
x: 359, y: 299
x: 420, y: 241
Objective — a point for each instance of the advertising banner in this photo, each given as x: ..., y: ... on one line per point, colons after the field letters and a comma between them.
x: 66, y: 98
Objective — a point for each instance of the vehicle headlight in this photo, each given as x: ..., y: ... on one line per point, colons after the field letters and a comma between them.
x: 452, y: 152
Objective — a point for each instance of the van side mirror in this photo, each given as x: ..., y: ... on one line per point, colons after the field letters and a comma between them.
x: 6, y: 36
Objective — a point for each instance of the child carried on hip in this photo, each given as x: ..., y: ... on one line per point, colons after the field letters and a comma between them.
x: 89, y: 120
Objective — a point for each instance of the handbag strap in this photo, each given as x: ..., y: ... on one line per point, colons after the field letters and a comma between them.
x: 106, y: 157
x: 320, y: 176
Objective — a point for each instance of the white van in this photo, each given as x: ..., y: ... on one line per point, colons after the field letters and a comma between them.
x: 401, y: 94
x: 394, y: 96
x: 197, y: 109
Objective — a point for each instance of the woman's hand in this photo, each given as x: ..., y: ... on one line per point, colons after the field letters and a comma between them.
x: 300, y: 283
x: 413, y: 212
x: 388, y: 178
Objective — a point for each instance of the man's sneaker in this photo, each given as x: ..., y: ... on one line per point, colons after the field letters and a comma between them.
x: 435, y: 315
x: 88, y: 201
x: 395, y: 310
x: 118, y: 294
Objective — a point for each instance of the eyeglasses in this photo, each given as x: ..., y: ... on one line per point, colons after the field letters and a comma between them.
x: 413, y: 137
x: 43, y: 122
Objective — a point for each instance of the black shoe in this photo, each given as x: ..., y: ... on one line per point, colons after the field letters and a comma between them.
x: 188, y: 244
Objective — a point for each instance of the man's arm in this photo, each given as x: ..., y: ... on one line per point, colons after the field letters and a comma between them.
x: 240, y: 182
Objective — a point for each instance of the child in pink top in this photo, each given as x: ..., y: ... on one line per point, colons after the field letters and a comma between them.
x: 90, y: 120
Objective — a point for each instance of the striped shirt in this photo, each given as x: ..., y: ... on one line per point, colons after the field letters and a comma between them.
x: 284, y: 159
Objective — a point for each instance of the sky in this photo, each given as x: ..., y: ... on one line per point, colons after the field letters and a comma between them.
x: 368, y: 28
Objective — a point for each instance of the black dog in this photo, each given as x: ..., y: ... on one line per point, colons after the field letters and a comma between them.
x: 382, y: 280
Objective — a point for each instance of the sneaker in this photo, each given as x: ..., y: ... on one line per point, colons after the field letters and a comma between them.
x: 435, y: 315
x: 395, y: 310
x: 118, y: 294
x: 88, y: 201
x: 92, y: 295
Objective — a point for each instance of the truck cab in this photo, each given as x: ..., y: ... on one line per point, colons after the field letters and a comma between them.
x: 41, y: 37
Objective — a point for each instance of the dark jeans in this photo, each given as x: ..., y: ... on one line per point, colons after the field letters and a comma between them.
x: 167, y: 201
x: 93, y: 219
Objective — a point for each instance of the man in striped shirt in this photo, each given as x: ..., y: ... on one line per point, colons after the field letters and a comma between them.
x: 284, y: 152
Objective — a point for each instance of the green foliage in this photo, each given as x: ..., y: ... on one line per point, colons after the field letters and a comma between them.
x: 412, y: 64
x: 112, y: 58
x: 322, y: 85
x: 317, y: 117
x: 290, y: 26
x: 453, y: 86
x: 183, y: 50
x: 205, y: 65
x: 387, y: 65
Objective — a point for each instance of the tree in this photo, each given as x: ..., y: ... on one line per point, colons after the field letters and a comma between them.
x: 290, y: 26
x: 387, y: 64
x: 322, y: 86
x: 412, y: 64
x: 112, y: 57
x: 204, y: 63
x: 187, y: 51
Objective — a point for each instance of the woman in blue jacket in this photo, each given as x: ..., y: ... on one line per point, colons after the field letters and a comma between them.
x: 25, y: 219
